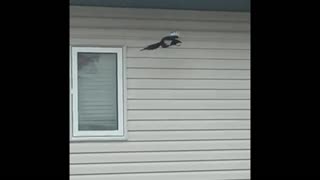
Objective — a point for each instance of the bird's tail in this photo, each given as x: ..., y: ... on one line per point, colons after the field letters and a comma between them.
x: 152, y: 46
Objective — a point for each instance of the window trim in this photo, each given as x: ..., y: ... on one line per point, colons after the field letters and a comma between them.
x: 121, y: 133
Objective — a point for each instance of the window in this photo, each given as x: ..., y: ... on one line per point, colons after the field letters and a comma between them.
x: 97, y: 102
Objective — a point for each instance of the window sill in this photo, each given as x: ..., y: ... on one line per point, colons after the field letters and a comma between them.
x: 98, y: 139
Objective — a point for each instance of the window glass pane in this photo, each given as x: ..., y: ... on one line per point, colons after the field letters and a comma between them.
x: 97, y: 91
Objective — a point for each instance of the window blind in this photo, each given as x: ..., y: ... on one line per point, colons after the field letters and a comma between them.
x: 97, y: 91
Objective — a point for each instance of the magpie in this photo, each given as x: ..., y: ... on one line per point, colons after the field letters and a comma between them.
x: 170, y: 40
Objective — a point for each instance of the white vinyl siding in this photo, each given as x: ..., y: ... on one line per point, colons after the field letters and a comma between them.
x: 188, y: 107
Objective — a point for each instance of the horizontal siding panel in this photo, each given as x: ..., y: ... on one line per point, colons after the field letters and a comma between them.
x: 139, y: 37
x: 191, y: 175
x: 179, y: 52
x: 187, y: 63
x: 160, y: 14
x: 188, y: 125
x: 187, y: 135
x: 187, y: 114
x: 188, y: 84
x: 147, y: 35
x: 190, y: 74
x: 188, y: 94
x: 158, y: 156
x: 94, y: 147
x: 188, y: 104
x: 159, y: 167
x: 139, y: 42
x: 95, y: 22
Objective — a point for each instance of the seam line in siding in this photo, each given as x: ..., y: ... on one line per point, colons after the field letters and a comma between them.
x: 138, y: 162
x: 163, y: 19
x: 151, y: 120
x: 179, y: 140
x: 77, y: 36
x: 167, y: 151
x: 165, y: 140
x: 159, y: 29
x: 175, y: 57
x: 189, y: 120
x: 184, y: 89
x: 189, y: 109
x: 153, y: 151
x: 152, y: 172
x: 185, y: 109
x: 168, y: 140
x: 186, y: 58
x: 165, y: 30
x: 186, y: 99
x: 224, y: 79
x: 168, y: 68
x: 201, y: 130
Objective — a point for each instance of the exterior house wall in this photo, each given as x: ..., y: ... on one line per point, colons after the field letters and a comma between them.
x: 188, y: 106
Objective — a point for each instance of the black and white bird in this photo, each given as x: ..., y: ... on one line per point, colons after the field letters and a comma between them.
x: 170, y: 40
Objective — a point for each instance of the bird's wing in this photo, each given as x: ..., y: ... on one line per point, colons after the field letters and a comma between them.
x: 169, y: 38
x: 165, y: 44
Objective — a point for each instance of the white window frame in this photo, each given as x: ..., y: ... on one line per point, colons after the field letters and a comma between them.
x: 121, y: 133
